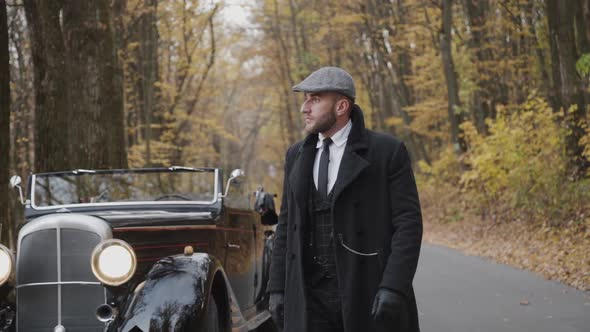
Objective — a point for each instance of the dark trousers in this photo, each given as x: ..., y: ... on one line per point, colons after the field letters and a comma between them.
x: 324, y: 309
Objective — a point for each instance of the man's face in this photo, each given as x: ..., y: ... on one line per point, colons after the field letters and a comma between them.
x: 320, y: 112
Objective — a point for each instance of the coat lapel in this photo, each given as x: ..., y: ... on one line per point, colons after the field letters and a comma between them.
x: 350, y: 167
x: 302, y: 171
x: 352, y: 163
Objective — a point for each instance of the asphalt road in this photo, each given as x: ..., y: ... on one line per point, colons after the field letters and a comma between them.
x: 459, y: 293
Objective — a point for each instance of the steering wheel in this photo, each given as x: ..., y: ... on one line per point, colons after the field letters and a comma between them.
x: 169, y: 197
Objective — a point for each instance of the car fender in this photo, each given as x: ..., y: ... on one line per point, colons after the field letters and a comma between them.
x: 173, y: 295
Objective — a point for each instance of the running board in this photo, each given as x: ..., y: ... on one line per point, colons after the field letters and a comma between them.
x: 257, y: 320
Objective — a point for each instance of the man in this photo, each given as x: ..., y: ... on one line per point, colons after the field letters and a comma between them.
x: 350, y: 227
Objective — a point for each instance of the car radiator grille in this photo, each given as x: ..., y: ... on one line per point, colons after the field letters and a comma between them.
x: 55, y: 284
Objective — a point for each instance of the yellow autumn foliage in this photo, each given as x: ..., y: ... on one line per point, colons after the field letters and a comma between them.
x: 518, y: 170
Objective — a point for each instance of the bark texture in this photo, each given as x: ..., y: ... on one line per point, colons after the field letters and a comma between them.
x: 96, y: 106
x: 455, y: 117
x: 51, y: 99
x: 5, y: 222
x: 566, y: 82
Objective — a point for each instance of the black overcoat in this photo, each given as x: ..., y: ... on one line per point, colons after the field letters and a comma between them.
x: 375, y: 210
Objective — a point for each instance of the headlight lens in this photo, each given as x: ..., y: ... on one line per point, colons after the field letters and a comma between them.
x: 6, y: 264
x: 113, y: 262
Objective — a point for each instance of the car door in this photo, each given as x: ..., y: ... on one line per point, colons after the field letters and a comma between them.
x: 240, y: 264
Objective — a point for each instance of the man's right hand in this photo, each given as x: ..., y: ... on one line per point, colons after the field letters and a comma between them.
x: 276, y: 308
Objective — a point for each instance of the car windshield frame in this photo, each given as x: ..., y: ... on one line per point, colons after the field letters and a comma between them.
x: 216, y: 190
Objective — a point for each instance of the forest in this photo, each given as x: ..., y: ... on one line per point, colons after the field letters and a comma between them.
x: 490, y: 96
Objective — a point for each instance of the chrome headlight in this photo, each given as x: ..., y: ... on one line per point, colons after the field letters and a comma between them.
x: 6, y: 264
x: 113, y: 262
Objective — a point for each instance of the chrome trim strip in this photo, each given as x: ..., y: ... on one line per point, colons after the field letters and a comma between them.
x: 216, y: 184
x: 170, y: 227
x: 81, y: 170
x: 60, y: 283
x: 171, y: 216
x: 58, y: 231
x: 134, y: 203
x: 107, y: 204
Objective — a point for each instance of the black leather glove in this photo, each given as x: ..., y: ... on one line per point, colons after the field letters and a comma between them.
x: 389, y: 308
x: 276, y: 308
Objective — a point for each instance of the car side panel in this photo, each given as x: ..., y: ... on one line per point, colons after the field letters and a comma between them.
x: 241, y: 263
x: 153, y: 243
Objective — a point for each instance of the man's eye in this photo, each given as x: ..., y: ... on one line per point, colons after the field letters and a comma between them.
x: 315, y: 100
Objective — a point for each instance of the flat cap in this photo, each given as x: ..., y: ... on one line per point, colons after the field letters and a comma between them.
x: 328, y: 79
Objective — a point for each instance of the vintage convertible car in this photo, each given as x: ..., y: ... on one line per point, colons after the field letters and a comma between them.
x: 160, y: 249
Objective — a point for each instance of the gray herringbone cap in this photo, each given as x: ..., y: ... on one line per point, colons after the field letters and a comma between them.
x: 328, y: 79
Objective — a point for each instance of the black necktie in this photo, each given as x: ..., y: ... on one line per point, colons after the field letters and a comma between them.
x: 323, y: 171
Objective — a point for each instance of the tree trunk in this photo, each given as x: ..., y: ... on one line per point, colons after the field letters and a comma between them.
x: 476, y: 13
x: 51, y: 105
x: 369, y: 79
x: 401, y: 71
x: 6, y: 235
x: 149, y: 74
x: 285, y: 70
x: 293, y: 11
x: 390, y: 67
x: 22, y: 122
x: 22, y: 112
x: 142, y: 77
x: 553, y: 24
x: 119, y: 8
x: 97, y: 131
x: 572, y: 87
x: 455, y: 118
x: 566, y: 82
x: 583, y: 44
x: 533, y: 19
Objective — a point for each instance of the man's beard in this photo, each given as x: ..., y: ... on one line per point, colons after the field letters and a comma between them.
x: 323, y: 123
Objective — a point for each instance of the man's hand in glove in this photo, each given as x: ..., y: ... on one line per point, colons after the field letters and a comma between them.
x: 275, y: 306
x: 388, y: 308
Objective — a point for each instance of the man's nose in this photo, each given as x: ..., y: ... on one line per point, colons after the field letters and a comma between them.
x: 305, y: 108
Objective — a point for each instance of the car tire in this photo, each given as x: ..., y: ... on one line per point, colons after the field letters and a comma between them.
x: 212, y: 319
x: 268, y: 326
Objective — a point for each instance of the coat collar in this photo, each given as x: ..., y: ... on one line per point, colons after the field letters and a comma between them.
x: 353, y: 162
x: 351, y: 166
x: 357, y: 139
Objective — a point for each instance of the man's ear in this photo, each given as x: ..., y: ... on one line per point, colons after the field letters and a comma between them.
x: 342, y: 106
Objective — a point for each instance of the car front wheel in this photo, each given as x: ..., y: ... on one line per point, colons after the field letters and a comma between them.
x: 212, y: 318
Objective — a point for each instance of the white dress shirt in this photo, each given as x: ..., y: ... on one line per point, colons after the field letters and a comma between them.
x: 337, y: 147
